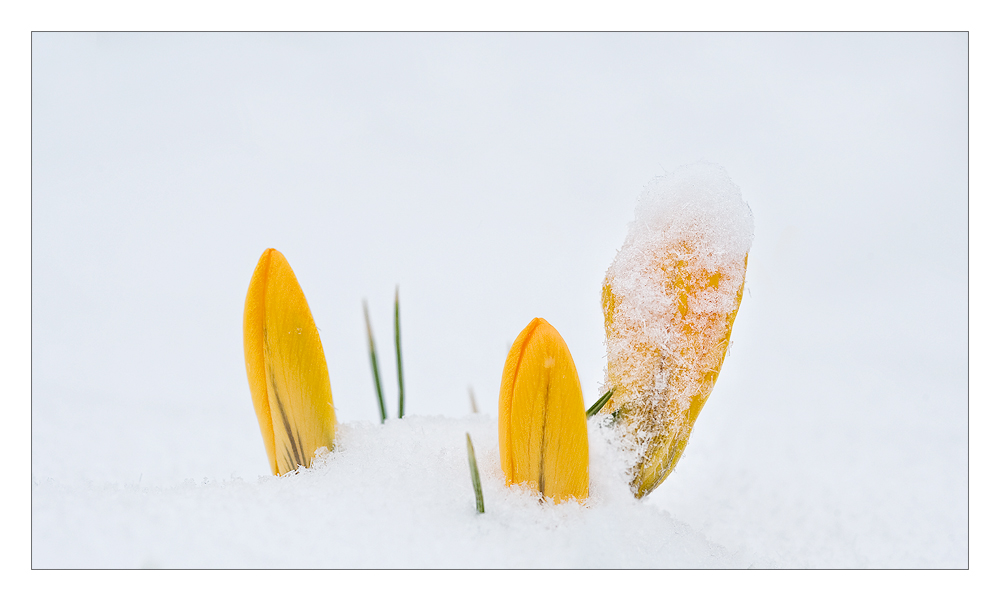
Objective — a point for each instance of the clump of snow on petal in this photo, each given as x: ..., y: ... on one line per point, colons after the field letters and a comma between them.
x: 699, y: 203
x: 694, y: 217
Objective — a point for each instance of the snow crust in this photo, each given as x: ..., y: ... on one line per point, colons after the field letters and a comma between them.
x: 396, y: 495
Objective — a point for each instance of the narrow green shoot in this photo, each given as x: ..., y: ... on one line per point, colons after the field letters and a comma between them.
x: 474, y: 470
x: 399, y: 356
x: 600, y: 403
x: 371, y: 350
x: 472, y: 398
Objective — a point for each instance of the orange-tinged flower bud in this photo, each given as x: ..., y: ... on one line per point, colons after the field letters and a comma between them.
x: 662, y: 392
x: 543, y: 423
x: 286, y: 367
x: 670, y: 299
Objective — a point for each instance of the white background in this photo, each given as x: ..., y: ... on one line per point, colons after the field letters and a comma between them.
x: 492, y: 177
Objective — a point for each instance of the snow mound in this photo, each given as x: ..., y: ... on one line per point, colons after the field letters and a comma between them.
x: 396, y: 495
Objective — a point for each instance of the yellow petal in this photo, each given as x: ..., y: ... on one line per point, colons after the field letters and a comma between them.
x: 286, y: 367
x: 660, y: 391
x: 543, y: 423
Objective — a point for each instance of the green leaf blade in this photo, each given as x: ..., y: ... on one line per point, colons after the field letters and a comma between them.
x: 474, y: 472
x: 399, y: 356
x: 374, y: 359
x: 600, y: 403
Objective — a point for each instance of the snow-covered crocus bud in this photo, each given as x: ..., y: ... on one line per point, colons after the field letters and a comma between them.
x: 670, y: 298
x: 543, y: 423
x: 286, y: 367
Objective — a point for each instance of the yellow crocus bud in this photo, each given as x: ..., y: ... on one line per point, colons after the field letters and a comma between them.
x: 543, y: 423
x: 670, y: 298
x: 286, y: 367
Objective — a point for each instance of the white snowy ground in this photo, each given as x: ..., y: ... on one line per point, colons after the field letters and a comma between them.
x: 492, y: 177
x: 392, y: 496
